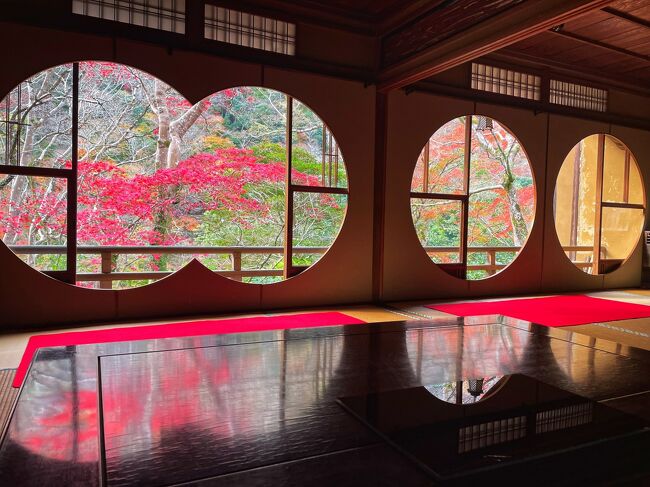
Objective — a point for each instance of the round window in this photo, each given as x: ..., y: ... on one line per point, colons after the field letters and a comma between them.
x: 599, y: 204
x: 249, y: 180
x: 472, y: 197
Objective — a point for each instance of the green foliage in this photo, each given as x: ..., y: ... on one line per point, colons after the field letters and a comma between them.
x: 304, y: 162
x: 443, y: 231
x: 48, y: 262
x: 213, y: 192
x: 269, y: 152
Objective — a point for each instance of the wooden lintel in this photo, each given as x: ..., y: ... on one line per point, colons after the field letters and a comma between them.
x: 463, y: 93
x: 518, y: 23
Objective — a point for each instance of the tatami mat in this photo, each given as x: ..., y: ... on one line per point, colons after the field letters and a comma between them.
x: 7, y: 395
x: 635, y: 333
x: 631, y: 333
x: 12, y: 345
x: 419, y: 308
x: 640, y: 292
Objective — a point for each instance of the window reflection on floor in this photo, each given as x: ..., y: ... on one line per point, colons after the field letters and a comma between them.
x: 202, y: 386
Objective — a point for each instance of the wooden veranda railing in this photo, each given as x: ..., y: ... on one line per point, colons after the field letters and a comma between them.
x: 492, y: 267
x: 108, y: 275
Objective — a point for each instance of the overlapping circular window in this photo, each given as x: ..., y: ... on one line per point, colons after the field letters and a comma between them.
x: 599, y: 204
x: 472, y: 197
x: 109, y: 178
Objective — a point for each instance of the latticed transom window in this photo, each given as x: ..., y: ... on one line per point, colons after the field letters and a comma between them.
x: 167, y: 15
x: 505, y: 81
x: 249, y: 30
x: 578, y: 96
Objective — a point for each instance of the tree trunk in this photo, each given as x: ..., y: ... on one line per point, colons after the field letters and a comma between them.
x: 164, y: 120
x: 161, y: 221
x: 168, y: 153
x: 516, y: 217
x: 178, y: 129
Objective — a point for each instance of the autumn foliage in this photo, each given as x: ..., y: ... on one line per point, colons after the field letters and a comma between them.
x: 500, y: 194
x: 156, y: 170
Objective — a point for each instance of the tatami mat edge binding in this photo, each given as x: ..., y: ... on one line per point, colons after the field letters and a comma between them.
x: 8, y: 395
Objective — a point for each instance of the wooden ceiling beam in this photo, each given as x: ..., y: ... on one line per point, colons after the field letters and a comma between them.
x: 307, y: 12
x: 518, y: 23
x: 627, y: 17
x: 562, y: 69
x: 599, y: 44
x: 392, y: 19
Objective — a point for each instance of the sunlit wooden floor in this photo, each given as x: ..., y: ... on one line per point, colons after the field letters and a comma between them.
x: 634, y: 333
x: 260, y: 408
x: 12, y: 345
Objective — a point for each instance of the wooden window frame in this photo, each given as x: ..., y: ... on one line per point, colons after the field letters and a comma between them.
x: 598, y: 262
x: 291, y: 189
x: 531, y: 89
x: 330, y: 160
x: 546, y: 80
x: 458, y: 269
x: 593, y: 103
x: 70, y: 176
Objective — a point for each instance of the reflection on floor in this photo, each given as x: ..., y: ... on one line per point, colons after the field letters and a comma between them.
x: 634, y: 333
x: 260, y: 408
x: 12, y: 345
x: 518, y: 431
x: 631, y: 333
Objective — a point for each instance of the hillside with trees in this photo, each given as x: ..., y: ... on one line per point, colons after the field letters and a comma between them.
x: 157, y: 170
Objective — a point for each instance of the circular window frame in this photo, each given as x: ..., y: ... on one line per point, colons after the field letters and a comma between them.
x: 68, y: 278
x: 599, y: 205
x: 499, y: 273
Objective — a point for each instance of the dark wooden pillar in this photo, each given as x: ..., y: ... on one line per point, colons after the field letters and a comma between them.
x: 381, y: 132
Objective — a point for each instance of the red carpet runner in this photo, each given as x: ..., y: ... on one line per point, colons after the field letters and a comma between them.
x: 552, y: 311
x: 175, y: 330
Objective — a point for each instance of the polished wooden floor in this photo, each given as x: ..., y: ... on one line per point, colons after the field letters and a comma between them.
x: 260, y: 408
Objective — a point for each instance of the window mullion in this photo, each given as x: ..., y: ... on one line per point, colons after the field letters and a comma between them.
x: 614, y: 204
x: 51, y: 172
x: 301, y: 188
x: 599, y: 204
x: 626, y: 178
x: 71, y: 266
x: 425, y: 162
x: 288, y: 215
x: 465, y: 202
